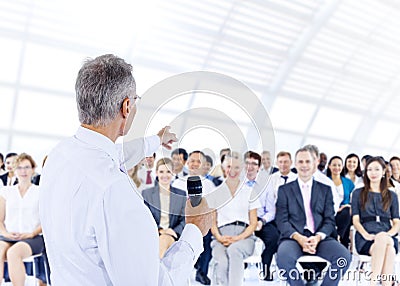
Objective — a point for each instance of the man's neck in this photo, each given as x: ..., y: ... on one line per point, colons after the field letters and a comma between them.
x: 252, y: 178
x: 110, y: 131
x: 305, y: 179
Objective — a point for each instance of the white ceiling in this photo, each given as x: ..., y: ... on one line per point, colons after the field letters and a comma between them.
x: 327, y: 72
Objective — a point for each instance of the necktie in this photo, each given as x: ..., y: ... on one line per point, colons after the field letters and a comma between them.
x: 307, y: 207
x: 148, y: 178
x: 250, y: 183
x: 285, y: 178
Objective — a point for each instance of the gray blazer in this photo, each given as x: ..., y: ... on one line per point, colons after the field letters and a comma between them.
x: 177, y: 205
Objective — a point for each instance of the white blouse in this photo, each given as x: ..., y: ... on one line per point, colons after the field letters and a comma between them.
x: 236, y: 208
x: 22, y: 213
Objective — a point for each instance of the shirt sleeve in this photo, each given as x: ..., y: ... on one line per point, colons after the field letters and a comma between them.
x: 128, y: 242
x: 270, y: 209
x: 255, y: 204
x: 394, y: 208
x: 355, y: 203
x: 132, y: 152
x: 178, y: 262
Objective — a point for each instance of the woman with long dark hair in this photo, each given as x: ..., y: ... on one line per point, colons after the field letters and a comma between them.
x: 376, y: 218
x: 352, y: 169
x: 344, y: 187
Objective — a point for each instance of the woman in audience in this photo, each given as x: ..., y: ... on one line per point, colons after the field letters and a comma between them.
x: 375, y: 211
x: 133, y: 174
x: 344, y: 187
x: 234, y: 224
x: 352, y: 170
x: 167, y: 205
x: 20, y: 230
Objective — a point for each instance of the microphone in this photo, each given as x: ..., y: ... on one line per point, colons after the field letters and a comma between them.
x: 195, y: 190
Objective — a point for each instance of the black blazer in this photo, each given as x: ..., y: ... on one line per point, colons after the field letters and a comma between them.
x: 290, y: 213
x: 4, y: 179
x: 177, y: 205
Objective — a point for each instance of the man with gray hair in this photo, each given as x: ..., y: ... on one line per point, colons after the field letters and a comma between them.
x: 97, y: 229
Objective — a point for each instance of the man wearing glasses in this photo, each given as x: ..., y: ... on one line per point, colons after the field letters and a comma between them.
x: 96, y: 227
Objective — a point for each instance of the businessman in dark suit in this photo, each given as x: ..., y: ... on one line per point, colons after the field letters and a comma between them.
x: 305, y: 219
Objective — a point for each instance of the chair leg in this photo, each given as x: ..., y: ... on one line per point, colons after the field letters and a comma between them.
x: 34, y: 272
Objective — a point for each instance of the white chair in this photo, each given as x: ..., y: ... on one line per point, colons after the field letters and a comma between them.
x: 255, y: 258
x: 360, y: 259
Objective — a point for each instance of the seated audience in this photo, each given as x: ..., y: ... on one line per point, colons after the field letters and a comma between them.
x: 375, y: 211
x: 20, y: 230
x: 344, y: 187
x: 234, y: 224
x: 167, y: 205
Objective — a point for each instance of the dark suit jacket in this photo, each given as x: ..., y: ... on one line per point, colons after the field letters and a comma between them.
x: 290, y: 213
x: 177, y: 205
x: 4, y: 179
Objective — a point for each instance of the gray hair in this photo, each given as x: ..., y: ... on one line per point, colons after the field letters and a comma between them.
x: 312, y: 149
x: 101, y: 86
x: 308, y: 149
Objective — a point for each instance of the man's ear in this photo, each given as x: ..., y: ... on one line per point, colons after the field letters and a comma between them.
x: 126, y: 109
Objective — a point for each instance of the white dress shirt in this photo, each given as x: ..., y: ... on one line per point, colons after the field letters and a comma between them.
x: 142, y: 175
x: 22, y: 213
x: 309, y: 190
x: 268, y: 198
x: 97, y: 229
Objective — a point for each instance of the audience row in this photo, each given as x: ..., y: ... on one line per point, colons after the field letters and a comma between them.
x: 308, y: 208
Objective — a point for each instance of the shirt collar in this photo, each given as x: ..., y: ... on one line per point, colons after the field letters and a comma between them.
x: 308, y: 183
x: 98, y: 141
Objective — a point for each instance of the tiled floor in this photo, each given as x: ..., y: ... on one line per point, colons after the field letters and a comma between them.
x: 251, y: 277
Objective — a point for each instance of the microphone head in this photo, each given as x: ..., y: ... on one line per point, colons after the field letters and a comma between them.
x: 195, y: 189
